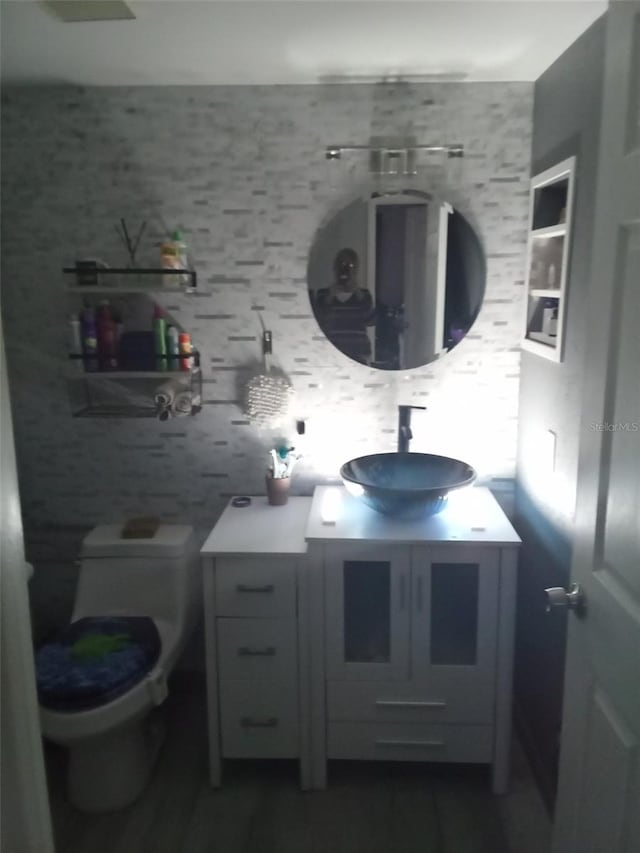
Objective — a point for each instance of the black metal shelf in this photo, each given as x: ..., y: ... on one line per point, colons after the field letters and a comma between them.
x: 100, y: 273
x: 98, y: 372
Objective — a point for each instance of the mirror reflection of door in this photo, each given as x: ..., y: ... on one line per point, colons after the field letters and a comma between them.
x: 407, y: 275
x: 416, y: 287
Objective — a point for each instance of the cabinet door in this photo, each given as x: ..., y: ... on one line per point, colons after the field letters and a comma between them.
x: 367, y: 612
x: 454, y: 630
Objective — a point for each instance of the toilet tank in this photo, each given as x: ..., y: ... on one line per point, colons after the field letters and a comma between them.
x: 157, y: 577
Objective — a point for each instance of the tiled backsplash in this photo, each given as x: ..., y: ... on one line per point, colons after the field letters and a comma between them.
x: 242, y: 171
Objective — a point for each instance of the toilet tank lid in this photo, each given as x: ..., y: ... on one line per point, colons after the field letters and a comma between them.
x: 170, y: 540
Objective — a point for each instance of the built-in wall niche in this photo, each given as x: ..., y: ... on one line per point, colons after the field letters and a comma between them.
x: 548, y: 258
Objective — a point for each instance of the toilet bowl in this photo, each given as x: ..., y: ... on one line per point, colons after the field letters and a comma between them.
x: 142, y: 598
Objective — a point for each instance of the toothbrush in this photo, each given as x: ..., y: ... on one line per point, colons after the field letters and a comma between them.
x: 283, y: 460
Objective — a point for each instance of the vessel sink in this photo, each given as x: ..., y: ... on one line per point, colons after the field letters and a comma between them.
x: 405, y: 485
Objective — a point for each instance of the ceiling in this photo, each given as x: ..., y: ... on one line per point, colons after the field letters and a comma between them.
x: 182, y: 42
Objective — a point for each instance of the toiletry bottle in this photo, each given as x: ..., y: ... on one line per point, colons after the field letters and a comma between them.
x: 160, y: 338
x: 106, y: 333
x: 180, y: 248
x: 89, y: 340
x: 75, y: 342
x: 173, y: 347
x: 548, y: 307
x: 185, y: 350
x: 169, y: 261
x: 118, y: 330
x: 174, y: 257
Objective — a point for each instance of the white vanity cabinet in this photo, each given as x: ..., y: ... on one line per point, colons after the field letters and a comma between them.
x: 252, y: 564
x: 418, y: 633
x: 360, y: 636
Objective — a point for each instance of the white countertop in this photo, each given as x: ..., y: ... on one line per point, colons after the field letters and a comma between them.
x: 260, y: 529
x: 472, y: 515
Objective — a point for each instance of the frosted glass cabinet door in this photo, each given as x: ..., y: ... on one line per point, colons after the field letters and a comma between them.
x: 455, y: 617
x: 367, y: 612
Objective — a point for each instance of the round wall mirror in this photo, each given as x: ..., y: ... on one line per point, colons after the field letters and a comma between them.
x: 396, y: 280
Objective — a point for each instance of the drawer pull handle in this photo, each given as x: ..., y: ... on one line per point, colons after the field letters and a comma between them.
x: 401, y: 703
x: 410, y: 743
x: 250, y: 651
x: 259, y: 722
x: 243, y: 587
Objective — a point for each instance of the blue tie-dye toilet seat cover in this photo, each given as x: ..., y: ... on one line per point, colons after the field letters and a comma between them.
x: 95, y: 660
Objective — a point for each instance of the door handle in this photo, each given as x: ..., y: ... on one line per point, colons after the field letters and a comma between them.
x: 403, y: 592
x: 419, y: 593
x: 572, y: 599
x: 258, y: 722
x: 251, y: 651
x: 409, y: 703
x: 243, y: 587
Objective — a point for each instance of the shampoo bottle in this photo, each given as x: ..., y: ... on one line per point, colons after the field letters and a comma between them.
x: 160, y: 338
x: 186, y: 362
x: 106, y: 331
x: 173, y: 347
x: 174, y: 257
x: 89, y: 340
x: 75, y: 342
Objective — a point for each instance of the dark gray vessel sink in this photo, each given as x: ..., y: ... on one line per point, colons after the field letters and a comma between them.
x: 405, y: 485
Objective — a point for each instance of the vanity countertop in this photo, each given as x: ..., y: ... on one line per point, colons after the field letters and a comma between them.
x: 471, y: 516
x: 260, y: 529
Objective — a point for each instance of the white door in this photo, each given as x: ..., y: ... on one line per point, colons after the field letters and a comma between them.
x: 598, y: 808
x: 367, y: 612
x: 25, y: 819
x: 430, y: 325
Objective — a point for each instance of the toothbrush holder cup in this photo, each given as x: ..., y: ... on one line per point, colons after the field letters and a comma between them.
x: 278, y: 490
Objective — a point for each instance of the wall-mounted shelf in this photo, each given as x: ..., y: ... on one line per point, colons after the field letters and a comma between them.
x: 551, y: 231
x: 126, y: 280
x: 88, y: 367
x: 130, y: 393
x: 546, y: 292
x: 125, y: 384
x: 551, y: 207
x: 98, y: 411
x: 131, y: 374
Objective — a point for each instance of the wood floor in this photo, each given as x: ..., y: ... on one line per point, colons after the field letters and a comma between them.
x: 367, y: 808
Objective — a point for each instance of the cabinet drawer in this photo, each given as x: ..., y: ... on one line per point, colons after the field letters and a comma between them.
x: 260, y: 587
x: 410, y: 742
x: 254, y: 649
x: 450, y: 702
x: 259, y: 719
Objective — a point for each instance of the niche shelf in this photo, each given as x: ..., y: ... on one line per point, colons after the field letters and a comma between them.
x: 550, y: 216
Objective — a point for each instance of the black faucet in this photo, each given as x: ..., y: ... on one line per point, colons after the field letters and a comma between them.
x: 404, y: 427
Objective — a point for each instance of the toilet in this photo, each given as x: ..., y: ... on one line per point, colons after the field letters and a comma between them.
x: 100, y: 679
